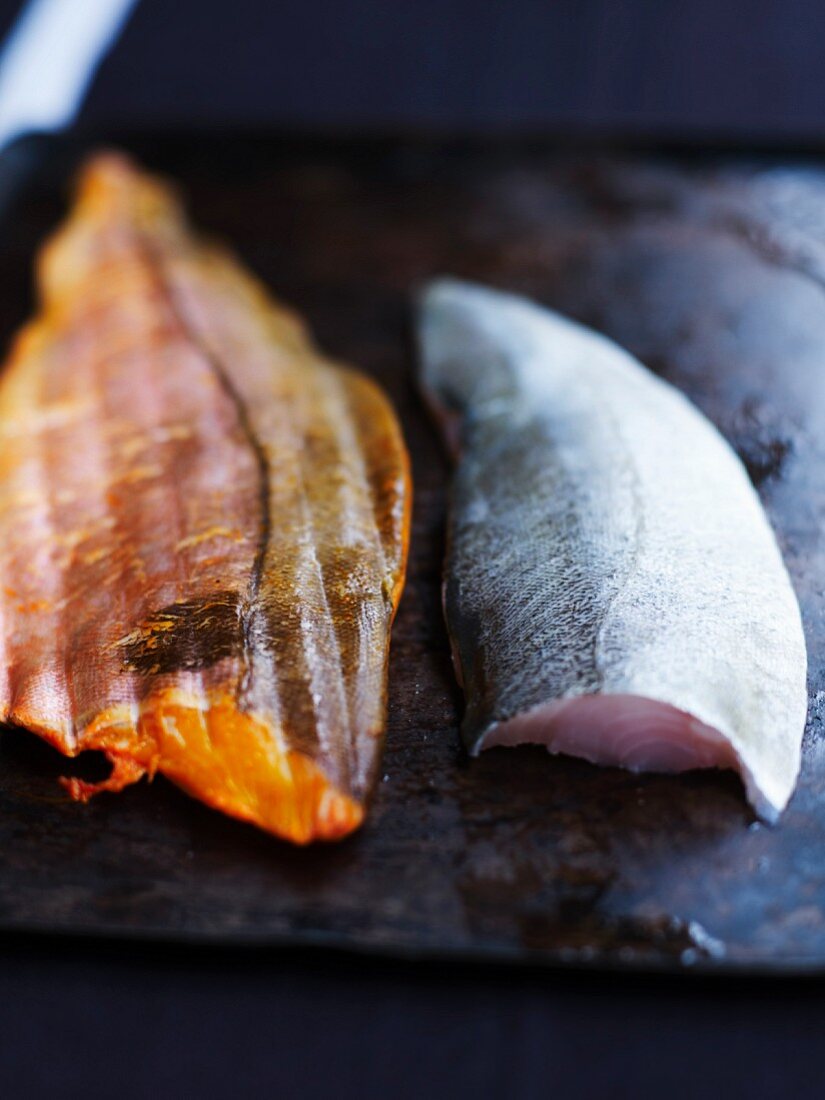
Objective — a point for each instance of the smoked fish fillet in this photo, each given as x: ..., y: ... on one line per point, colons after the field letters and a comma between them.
x: 203, y: 524
x: 613, y: 589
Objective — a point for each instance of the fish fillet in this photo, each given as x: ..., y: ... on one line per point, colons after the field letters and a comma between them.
x: 203, y: 525
x: 612, y: 587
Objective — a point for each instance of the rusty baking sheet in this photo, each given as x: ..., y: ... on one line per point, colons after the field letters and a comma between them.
x: 711, y: 269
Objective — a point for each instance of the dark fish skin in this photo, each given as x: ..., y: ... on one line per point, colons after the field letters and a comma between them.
x: 604, y: 543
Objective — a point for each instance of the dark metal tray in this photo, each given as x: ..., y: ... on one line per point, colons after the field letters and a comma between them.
x: 711, y: 268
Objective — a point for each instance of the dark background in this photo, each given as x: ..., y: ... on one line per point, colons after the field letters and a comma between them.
x: 102, y: 1020
x: 666, y: 66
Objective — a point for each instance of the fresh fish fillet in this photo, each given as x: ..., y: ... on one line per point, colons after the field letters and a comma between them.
x: 203, y: 525
x: 612, y: 587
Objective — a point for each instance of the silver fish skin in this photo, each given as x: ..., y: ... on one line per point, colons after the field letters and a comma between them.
x: 613, y: 588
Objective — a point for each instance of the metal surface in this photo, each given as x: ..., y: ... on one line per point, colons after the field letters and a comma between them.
x: 711, y: 271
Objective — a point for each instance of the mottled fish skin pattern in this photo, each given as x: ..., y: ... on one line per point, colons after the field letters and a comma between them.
x: 604, y: 539
x: 203, y: 524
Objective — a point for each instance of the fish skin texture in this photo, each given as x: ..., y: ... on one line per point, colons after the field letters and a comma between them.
x: 613, y: 589
x: 203, y: 524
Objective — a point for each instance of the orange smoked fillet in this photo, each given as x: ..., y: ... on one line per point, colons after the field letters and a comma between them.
x: 203, y: 525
